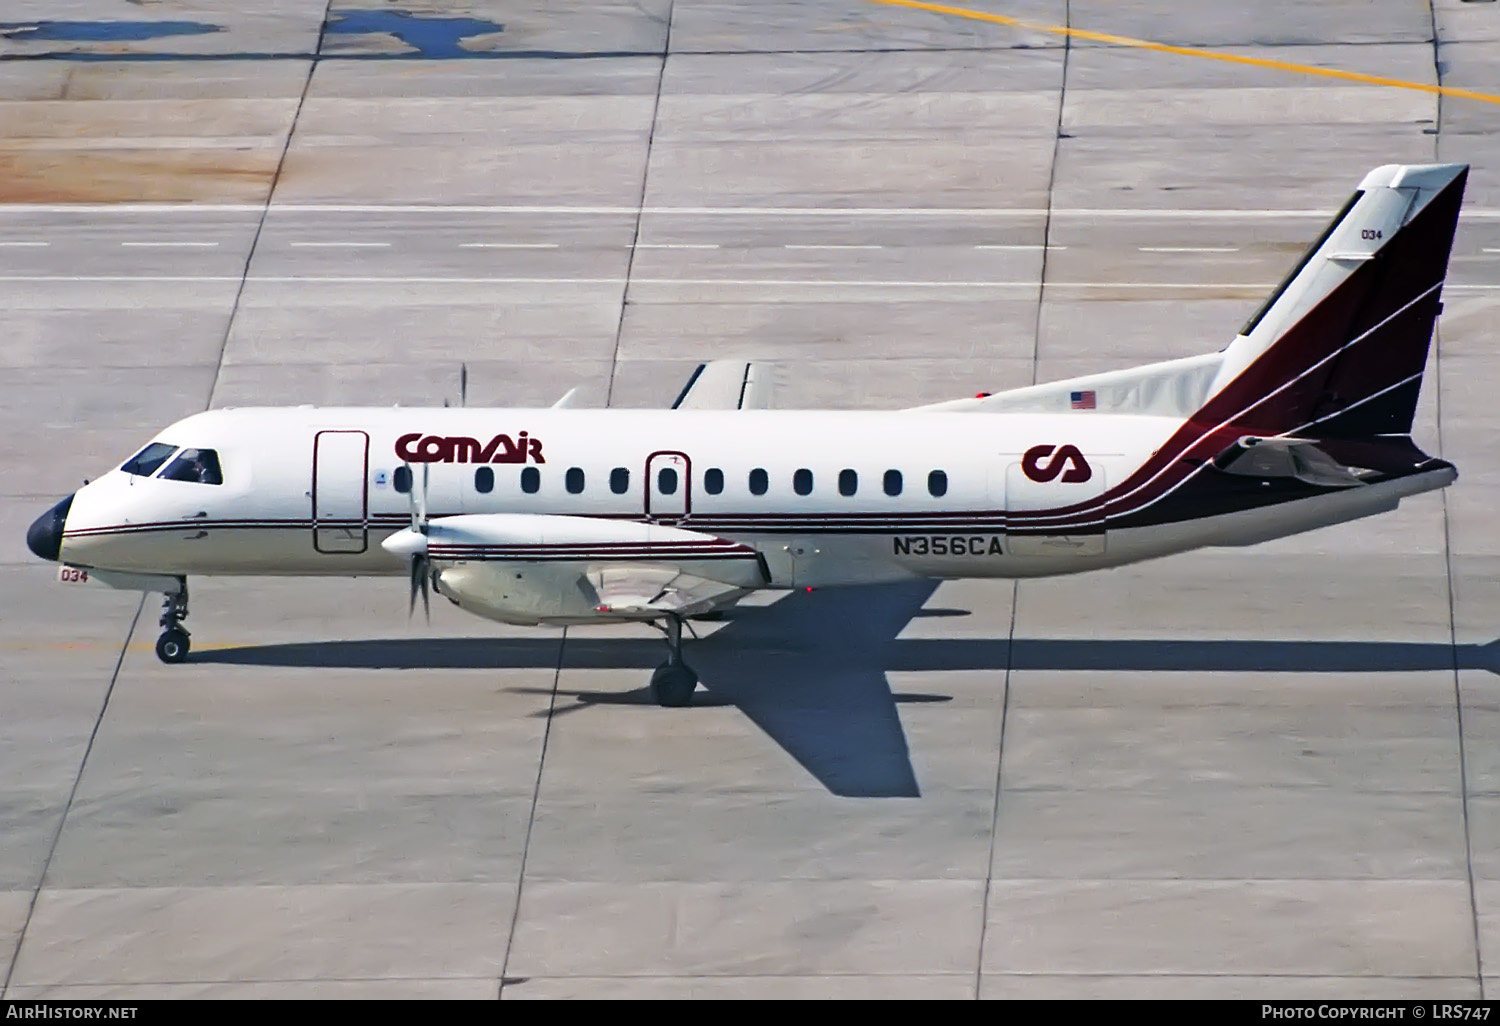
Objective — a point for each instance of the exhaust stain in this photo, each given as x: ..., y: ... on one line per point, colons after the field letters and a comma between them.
x: 139, y: 176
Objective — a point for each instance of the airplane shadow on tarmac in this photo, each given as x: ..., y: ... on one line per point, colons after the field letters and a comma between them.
x: 810, y: 670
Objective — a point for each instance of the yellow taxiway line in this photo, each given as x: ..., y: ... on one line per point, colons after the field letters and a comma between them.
x: 1192, y: 51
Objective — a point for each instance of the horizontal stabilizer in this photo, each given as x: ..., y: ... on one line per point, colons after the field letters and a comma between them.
x: 1294, y: 458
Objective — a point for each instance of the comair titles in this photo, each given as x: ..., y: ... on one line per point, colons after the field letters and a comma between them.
x: 419, y: 448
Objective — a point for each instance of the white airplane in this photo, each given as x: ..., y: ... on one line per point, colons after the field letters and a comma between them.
x: 579, y: 516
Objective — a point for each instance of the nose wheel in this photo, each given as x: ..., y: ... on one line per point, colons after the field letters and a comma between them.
x: 673, y: 683
x: 174, y: 643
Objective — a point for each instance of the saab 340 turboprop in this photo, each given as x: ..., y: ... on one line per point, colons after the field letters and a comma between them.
x: 578, y: 516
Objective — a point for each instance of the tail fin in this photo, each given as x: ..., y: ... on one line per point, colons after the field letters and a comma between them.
x: 1338, y: 350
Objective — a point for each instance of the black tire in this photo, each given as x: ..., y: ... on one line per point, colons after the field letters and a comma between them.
x: 173, y: 645
x: 673, y: 684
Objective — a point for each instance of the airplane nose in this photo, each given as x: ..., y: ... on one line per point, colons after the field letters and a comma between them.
x: 44, y: 536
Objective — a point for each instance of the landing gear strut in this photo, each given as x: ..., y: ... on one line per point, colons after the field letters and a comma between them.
x: 173, y: 645
x: 674, y: 681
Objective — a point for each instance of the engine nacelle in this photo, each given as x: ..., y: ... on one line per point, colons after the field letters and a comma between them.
x: 531, y: 568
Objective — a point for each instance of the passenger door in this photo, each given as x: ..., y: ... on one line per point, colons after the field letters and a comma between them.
x: 669, y: 485
x: 340, y: 500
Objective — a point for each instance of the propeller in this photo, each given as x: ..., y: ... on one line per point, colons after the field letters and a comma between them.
x: 419, y: 562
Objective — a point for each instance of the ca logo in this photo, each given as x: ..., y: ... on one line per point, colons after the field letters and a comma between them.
x: 1068, y: 455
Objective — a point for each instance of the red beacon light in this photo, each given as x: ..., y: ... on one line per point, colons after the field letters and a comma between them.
x: 981, y: 395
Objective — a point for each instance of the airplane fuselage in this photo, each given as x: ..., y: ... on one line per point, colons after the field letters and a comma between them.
x: 825, y: 498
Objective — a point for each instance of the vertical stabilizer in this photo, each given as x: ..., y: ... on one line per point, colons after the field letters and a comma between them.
x: 1339, y: 348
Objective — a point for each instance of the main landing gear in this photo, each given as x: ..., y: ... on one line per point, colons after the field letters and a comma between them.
x: 173, y: 645
x: 674, y: 681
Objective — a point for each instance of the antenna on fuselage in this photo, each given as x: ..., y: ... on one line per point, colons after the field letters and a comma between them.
x: 463, y: 384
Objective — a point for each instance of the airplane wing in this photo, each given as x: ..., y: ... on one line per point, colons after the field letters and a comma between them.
x: 649, y: 591
x: 726, y: 385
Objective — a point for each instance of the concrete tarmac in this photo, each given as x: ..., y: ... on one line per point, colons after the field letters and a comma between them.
x: 1266, y: 773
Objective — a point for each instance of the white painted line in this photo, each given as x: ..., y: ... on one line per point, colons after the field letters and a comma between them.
x: 341, y: 245
x: 507, y: 245
x: 768, y: 282
x: 1476, y: 213
x: 676, y: 245
x: 1189, y: 249
x: 17, y: 245
x: 1489, y: 249
x: 793, y: 245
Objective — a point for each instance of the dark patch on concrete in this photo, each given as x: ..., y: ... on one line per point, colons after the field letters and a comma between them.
x: 101, y: 31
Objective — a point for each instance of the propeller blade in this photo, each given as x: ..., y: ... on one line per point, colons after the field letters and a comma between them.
x: 463, y: 384
x: 411, y: 495
x: 421, y: 525
x: 416, y: 573
x: 426, y: 600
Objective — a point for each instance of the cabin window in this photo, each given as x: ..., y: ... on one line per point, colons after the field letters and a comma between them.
x: 802, y: 482
x: 531, y: 480
x: 197, y: 465
x: 573, y: 480
x: 937, y: 483
x: 848, y: 482
x: 666, y: 481
x: 401, y: 479
x: 146, y: 462
x: 893, y: 482
x: 759, y: 482
x: 619, y: 480
x: 713, y: 481
x: 484, y: 480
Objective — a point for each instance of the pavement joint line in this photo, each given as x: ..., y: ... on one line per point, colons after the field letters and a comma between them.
x: 265, y: 209
x: 1068, y: 32
x: 639, y: 212
x: 62, y: 820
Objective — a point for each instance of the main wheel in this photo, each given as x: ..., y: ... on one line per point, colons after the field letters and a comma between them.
x: 173, y: 645
x: 672, y: 684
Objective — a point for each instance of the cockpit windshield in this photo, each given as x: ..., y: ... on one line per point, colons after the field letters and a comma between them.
x: 199, y: 465
x: 145, y: 462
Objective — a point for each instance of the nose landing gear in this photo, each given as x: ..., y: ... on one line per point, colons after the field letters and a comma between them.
x: 173, y: 645
x: 674, y: 681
